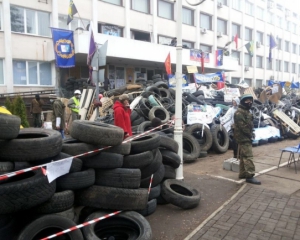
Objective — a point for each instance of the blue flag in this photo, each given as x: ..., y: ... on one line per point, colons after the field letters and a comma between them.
x: 63, y: 44
x: 219, y: 57
x: 272, y: 45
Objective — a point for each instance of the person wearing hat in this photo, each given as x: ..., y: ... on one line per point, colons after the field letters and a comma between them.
x: 243, y: 134
x: 58, y: 116
x: 122, y: 114
x: 74, y: 104
x: 36, y: 110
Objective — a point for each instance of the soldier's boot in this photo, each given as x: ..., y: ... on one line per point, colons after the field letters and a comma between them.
x: 242, y: 176
x: 253, y: 180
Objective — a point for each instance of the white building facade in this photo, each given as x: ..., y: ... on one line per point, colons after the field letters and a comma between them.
x: 139, y: 33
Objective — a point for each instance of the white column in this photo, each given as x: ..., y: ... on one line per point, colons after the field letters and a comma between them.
x: 215, y: 28
x: 229, y: 34
x: 95, y: 16
x: 8, y: 49
x: 243, y: 49
x: 54, y: 14
x: 153, y: 28
x: 197, y: 24
x: 127, y: 19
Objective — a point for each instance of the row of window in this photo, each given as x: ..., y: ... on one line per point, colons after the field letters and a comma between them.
x: 29, y: 73
x: 258, y: 82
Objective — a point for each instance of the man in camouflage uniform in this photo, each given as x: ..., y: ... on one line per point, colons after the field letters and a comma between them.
x: 243, y: 133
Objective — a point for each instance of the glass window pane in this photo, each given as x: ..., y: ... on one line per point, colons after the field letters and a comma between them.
x: 74, y: 23
x: 205, y: 21
x: 187, y: 44
x: 140, y: 5
x: 235, y: 80
x: 30, y: 21
x: 222, y: 26
x: 164, y: 40
x: 187, y: 16
x: 165, y: 10
x: 248, y: 34
x: 45, y: 74
x: 258, y: 83
x: 44, y: 23
x: 32, y: 73
x: 17, y: 19
x: 62, y: 21
x: 19, y: 72
x: 205, y: 48
x: 117, y: 2
x: 248, y: 81
x: 1, y: 72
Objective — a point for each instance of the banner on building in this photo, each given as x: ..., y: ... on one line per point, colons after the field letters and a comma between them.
x: 196, y: 55
x: 219, y: 57
x: 208, y: 78
x: 172, y: 80
x: 63, y: 43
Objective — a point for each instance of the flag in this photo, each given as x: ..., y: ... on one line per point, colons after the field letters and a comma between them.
x: 63, y: 43
x: 202, y: 62
x: 236, y: 41
x: 71, y: 12
x: 250, y: 48
x: 92, y: 50
x: 219, y: 57
x: 168, y: 64
x: 272, y: 45
x: 294, y: 84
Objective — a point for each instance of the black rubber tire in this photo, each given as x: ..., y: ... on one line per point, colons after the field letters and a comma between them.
x: 8, y: 229
x: 145, y: 143
x: 217, y: 133
x: 153, y: 166
x: 154, y: 89
x: 144, y: 126
x: 158, y: 176
x: 139, y: 160
x: 130, y: 224
x: 118, y: 178
x: 134, y: 115
x: 173, y: 93
x: 138, y: 121
x: 154, y: 192
x: 198, y: 93
x: 6, y: 166
x: 170, y: 172
x: 291, y: 135
x: 60, y: 201
x: 262, y: 142
x: 75, y: 181
x: 161, y: 200
x: 9, y: 126
x: 31, y: 144
x: 164, y: 93
x: 112, y: 198
x: 161, y: 84
x: 159, y: 112
x: 123, y: 149
x: 170, y: 158
x: 74, y: 147
x: 151, y: 207
x: 191, y: 148
x: 144, y: 107
x: 21, y: 165
x: 168, y: 143
x: 180, y: 194
x: 16, y: 192
x: 203, y: 154
x: 206, y: 141
x: 48, y: 225
x: 97, y: 133
x: 104, y: 160
x: 116, y: 92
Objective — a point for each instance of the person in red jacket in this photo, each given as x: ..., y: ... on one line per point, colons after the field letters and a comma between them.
x: 122, y: 114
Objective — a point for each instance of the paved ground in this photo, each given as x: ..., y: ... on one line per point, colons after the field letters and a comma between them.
x: 270, y: 211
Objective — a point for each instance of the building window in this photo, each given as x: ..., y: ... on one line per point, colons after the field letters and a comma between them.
x: 260, y: 37
x: 165, y: 10
x: 293, y: 67
x: 279, y: 47
x: 259, y: 61
x: 111, y: 30
x: 248, y: 81
x: 236, y: 55
x: 278, y: 65
x: 237, y: 4
x: 222, y: 26
x: 294, y: 48
x: 75, y: 24
x: 29, y: 21
x: 236, y: 29
x: 140, y: 36
x: 249, y: 8
x: 248, y: 60
x: 116, y: 2
x: 287, y: 25
x: 269, y: 64
x: 1, y: 72
x: 205, y: 21
x: 279, y: 22
x: 32, y: 73
x: 269, y: 17
x: 294, y: 28
x: 260, y: 13
x: 1, y: 20
x: 188, y: 16
x: 141, y: 5
x: 248, y: 34
x: 235, y: 80
x: 258, y: 83
x: 186, y: 44
x: 287, y: 46
x: 205, y: 48
x: 286, y: 66
x: 164, y: 40
x: 84, y: 72
x: 224, y: 2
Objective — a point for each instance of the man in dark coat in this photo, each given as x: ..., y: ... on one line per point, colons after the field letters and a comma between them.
x: 36, y: 110
x: 122, y: 114
x: 58, y: 117
x: 243, y: 134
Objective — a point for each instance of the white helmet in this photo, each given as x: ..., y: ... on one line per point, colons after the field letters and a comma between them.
x: 77, y: 92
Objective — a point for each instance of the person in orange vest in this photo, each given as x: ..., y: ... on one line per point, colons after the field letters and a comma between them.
x: 74, y: 105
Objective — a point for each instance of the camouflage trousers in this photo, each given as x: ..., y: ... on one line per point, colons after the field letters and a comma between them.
x: 247, y: 168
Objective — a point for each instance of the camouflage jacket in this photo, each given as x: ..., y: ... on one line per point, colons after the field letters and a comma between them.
x: 243, y: 125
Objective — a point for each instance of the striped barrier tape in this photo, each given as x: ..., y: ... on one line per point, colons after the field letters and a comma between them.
x: 151, y: 179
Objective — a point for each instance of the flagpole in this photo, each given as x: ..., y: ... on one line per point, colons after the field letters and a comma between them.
x: 81, y: 20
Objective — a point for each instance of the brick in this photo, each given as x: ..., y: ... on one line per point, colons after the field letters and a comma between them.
x: 221, y: 234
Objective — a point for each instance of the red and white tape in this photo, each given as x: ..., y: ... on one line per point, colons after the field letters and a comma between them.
x: 12, y: 174
x: 151, y: 179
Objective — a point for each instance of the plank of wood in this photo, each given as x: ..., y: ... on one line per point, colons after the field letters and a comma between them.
x: 249, y: 90
x: 285, y: 119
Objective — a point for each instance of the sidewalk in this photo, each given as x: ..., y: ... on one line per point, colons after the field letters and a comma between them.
x: 255, y: 213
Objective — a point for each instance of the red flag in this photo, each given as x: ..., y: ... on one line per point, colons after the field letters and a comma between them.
x: 202, y: 62
x: 236, y: 41
x: 168, y: 64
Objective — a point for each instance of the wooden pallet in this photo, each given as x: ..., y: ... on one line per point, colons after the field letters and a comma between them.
x: 249, y: 90
x: 281, y: 116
